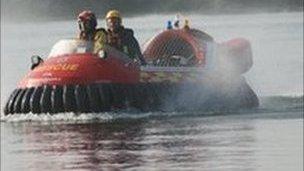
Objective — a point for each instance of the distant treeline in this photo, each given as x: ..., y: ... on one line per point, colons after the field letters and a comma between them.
x: 68, y: 9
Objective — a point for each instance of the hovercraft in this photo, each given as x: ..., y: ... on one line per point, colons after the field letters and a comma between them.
x: 184, y: 67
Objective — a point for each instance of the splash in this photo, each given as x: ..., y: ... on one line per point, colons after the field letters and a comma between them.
x: 60, y: 117
x: 270, y: 104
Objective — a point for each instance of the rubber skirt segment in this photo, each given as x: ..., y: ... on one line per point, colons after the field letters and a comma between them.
x: 69, y: 101
x: 141, y: 97
x: 8, y: 107
x: 57, y: 99
x: 25, y: 104
x: 121, y: 95
x: 158, y: 94
x: 45, y: 101
x: 79, y: 98
x: 146, y: 95
x: 82, y: 99
x: 13, y: 101
x: 116, y: 96
x: 18, y: 101
x: 130, y: 94
x: 94, y: 98
x: 35, y: 100
x: 86, y: 98
x: 105, y: 96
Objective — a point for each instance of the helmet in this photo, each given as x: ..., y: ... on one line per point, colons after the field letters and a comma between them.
x: 113, y: 14
x: 87, y: 20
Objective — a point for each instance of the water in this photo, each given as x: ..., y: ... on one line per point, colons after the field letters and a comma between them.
x: 179, y: 141
x: 268, y: 138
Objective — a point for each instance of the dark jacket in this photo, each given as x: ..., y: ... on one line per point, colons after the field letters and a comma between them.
x: 125, y: 41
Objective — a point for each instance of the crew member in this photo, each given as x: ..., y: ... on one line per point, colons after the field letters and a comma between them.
x: 176, y: 21
x: 169, y: 25
x: 122, y: 38
x: 186, y: 25
x: 87, y: 25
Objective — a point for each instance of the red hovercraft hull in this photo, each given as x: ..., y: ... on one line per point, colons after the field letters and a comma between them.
x: 84, y: 82
x: 81, y: 69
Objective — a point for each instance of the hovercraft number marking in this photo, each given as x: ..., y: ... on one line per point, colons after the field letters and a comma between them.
x: 59, y: 67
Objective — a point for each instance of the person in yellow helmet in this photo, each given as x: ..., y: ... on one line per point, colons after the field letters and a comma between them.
x: 87, y: 25
x: 186, y: 25
x: 122, y: 38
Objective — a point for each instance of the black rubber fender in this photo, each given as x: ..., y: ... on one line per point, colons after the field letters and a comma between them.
x: 69, y: 101
x: 35, y: 100
x: 82, y: 99
x: 157, y: 89
x: 118, y: 95
x: 45, y: 101
x: 130, y: 95
x: 94, y: 98
x: 136, y: 91
x: 154, y: 96
x: 57, y: 99
x: 112, y: 95
x: 105, y: 96
x: 142, y: 96
x: 160, y: 89
x: 153, y: 93
x: 170, y: 90
x: 13, y: 101
x: 122, y: 94
x: 8, y: 107
x: 25, y: 104
x: 18, y: 101
x: 148, y: 96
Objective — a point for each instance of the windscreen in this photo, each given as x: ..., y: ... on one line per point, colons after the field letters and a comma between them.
x: 71, y: 46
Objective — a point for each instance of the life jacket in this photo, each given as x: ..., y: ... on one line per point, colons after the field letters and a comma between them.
x: 122, y: 40
x: 114, y: 39
x: 100, y: 39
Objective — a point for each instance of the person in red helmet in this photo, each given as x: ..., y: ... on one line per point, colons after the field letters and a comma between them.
x: 122, y: 38
x: 87, y: 23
